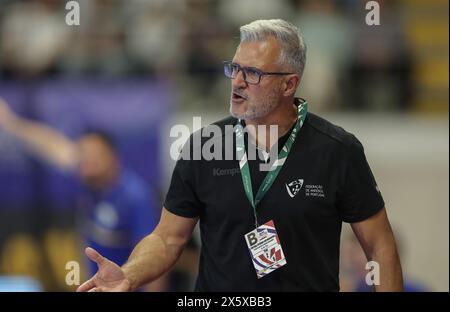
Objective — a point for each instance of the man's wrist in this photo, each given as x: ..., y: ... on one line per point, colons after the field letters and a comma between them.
x: 132, y: 283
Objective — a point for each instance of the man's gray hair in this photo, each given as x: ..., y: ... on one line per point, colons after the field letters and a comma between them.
x: 293, y: 48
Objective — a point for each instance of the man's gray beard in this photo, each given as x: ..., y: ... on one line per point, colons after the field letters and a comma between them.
x: 257, y: 111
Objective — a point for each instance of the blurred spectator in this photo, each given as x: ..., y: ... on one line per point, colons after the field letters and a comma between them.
x: 154, y: 32
x: 380, y: 74
x: 98, y: 46
x: 31, y: 38
x: 329, y: 37
x: 238, y: 13
x: 205, y: 43
x: 116, y: 207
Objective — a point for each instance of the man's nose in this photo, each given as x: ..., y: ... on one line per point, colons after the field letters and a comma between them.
x: 239, y: 80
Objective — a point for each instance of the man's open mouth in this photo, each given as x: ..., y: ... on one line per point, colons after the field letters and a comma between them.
x: 238, y: 97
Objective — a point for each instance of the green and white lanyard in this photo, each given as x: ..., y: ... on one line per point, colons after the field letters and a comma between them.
x: 241, y: 154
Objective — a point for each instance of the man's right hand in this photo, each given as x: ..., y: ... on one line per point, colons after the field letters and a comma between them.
x: 109, y: 277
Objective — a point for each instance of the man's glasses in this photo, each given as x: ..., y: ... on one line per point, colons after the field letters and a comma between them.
x: 251, y: 75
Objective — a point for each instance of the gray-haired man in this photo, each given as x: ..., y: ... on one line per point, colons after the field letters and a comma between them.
x: 275, y: 230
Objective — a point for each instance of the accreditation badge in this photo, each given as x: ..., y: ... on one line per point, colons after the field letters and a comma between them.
x: 265, y: 249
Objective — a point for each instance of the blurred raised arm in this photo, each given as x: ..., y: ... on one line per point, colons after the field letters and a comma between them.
x: 44, y: 141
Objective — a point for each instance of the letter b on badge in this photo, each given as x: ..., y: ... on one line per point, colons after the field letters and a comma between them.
x: 251, y: 238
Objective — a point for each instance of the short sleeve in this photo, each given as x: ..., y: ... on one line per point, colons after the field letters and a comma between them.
x: 182, y: 199
x: 360, y: 197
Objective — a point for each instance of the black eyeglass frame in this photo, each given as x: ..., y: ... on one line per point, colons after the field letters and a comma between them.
x: 244, y: 72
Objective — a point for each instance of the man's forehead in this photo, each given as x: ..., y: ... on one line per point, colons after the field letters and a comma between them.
x: 260, y: 54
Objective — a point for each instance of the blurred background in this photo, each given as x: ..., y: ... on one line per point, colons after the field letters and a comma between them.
x: 135, y: 68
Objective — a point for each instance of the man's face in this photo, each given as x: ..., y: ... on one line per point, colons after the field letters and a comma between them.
x: 98, y: 164
x: 250, y: 101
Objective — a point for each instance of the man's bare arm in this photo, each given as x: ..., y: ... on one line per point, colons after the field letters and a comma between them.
x: 377, y: 240
x: 152, y: 257
x: 159, y: 251
x: 45, y: 142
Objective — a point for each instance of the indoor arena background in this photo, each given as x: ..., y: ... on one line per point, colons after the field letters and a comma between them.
x: 136, y: 68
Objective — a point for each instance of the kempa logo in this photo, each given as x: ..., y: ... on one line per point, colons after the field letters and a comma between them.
x: 294, y: 187
x: 223, y: 172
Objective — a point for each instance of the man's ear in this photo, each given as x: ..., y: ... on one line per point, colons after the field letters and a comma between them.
x: 290, y: 85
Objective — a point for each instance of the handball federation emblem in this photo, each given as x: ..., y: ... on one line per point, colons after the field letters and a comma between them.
x: 294, y: 187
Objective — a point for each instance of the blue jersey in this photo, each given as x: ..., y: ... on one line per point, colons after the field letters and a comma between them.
x: 115, y: 220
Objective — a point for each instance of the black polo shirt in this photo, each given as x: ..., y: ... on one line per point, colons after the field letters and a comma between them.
x: 336, y: 185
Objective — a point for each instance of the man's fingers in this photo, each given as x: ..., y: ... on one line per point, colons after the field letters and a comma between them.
x: 95, y: 256
x: 86, y: 286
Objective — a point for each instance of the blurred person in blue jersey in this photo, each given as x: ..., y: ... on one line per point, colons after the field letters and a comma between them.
x: 116, y: 207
